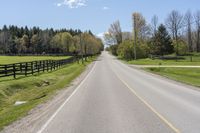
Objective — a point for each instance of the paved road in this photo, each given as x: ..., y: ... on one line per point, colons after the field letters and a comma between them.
x: 115, y: 98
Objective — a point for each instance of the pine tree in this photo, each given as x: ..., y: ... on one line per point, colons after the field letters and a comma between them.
x: 161, y: 42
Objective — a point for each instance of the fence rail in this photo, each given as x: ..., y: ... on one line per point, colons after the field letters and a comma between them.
x: 30, y: 68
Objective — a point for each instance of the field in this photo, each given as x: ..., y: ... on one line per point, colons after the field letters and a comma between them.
x: 33, y: 89
x: 189, y: 76
x: 16, y: 59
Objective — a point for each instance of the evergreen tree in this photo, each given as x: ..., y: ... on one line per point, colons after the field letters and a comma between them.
x: 161, y: 42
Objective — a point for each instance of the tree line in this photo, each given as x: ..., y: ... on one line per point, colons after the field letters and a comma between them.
x: 23, y: 40
x: 180, y: 34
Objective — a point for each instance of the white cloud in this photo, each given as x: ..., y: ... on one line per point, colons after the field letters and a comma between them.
x: 106, y: 8
x: 59, y: 4
x: 73, y: 3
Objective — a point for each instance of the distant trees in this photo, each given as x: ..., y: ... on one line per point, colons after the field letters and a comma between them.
x: 15, y: 40
x: 180, y: 34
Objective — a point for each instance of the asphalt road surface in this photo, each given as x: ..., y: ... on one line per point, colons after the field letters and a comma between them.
x: 115, y: 98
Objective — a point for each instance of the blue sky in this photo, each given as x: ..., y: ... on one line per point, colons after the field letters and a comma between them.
x: 96, y: 15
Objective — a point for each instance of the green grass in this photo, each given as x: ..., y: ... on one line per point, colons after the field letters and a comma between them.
x: 189, y: 76
x: 186, y: 61
x: 16, y: 59
x: 33, y: 89
x: 148, y: 61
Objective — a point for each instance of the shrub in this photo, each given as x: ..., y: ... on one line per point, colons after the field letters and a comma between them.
x: 182, y: 47
x: 126, y: 50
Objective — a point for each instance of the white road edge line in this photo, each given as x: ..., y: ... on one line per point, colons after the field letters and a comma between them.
x: 60, y: 108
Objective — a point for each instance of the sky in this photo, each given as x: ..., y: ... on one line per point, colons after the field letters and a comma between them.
x: 94, y: 15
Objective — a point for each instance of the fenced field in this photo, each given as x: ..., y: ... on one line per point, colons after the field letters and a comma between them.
x: 32, y: 67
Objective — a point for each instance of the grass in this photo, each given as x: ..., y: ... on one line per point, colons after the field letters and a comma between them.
x: 16, y: 59
x: 187, y: 61
x: 33, y: 89
x: 189, y: 76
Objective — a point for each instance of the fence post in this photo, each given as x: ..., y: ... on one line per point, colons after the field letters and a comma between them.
x: 14, y: 71
x: 51, y: 62
x: 5, y: 70
x: 38, y: 69
x: 43, y: 65
x: 47, y: 65
x: 26, y: 68
x: 20, y: 67
x: 32, y: 68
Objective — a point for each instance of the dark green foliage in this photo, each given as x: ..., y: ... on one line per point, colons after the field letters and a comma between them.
x: 161, y: 43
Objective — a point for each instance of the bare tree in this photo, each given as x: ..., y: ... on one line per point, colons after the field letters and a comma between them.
x: 154, y: 24
x: 174, y: 23
x: 197, y: 21
x: 140, y: 30
x: 116, y: 32
x: 188, y: 19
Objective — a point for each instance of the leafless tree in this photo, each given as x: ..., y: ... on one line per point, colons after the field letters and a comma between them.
x: 154, y: 24
x: 197, y: 21
x: 174, y: 23
x: 116, y: 32
x: 188, y: 19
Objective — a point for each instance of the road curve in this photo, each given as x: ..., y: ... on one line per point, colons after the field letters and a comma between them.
x: 115, y: 98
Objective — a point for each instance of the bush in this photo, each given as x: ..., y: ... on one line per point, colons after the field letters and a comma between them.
x: 113, y: 49
x: 126, y: 50
x: 182, y: 47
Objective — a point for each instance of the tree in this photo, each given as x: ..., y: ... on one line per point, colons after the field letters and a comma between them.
x: 55, y: 43
x: 174, y: 23
x: 35, y: 41
x: 188, y: 22
x: 138, y: 22
x: 197, y: 21
x: 154, y: 24
x: 67, y: 42
x: 24, y: 44
x: 161, y: 42
x: 116, y: 32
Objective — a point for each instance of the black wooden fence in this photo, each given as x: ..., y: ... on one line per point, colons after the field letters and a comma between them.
x: 30, y: 68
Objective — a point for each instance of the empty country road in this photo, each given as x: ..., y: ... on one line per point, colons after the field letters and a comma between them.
x: 115, y: 98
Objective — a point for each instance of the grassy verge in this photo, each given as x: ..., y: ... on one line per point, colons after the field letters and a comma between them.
x: 189, y: 76
x: 163, y: 62
x: 34, y: 89
x: 186, y: 61
x: 16, y: 59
